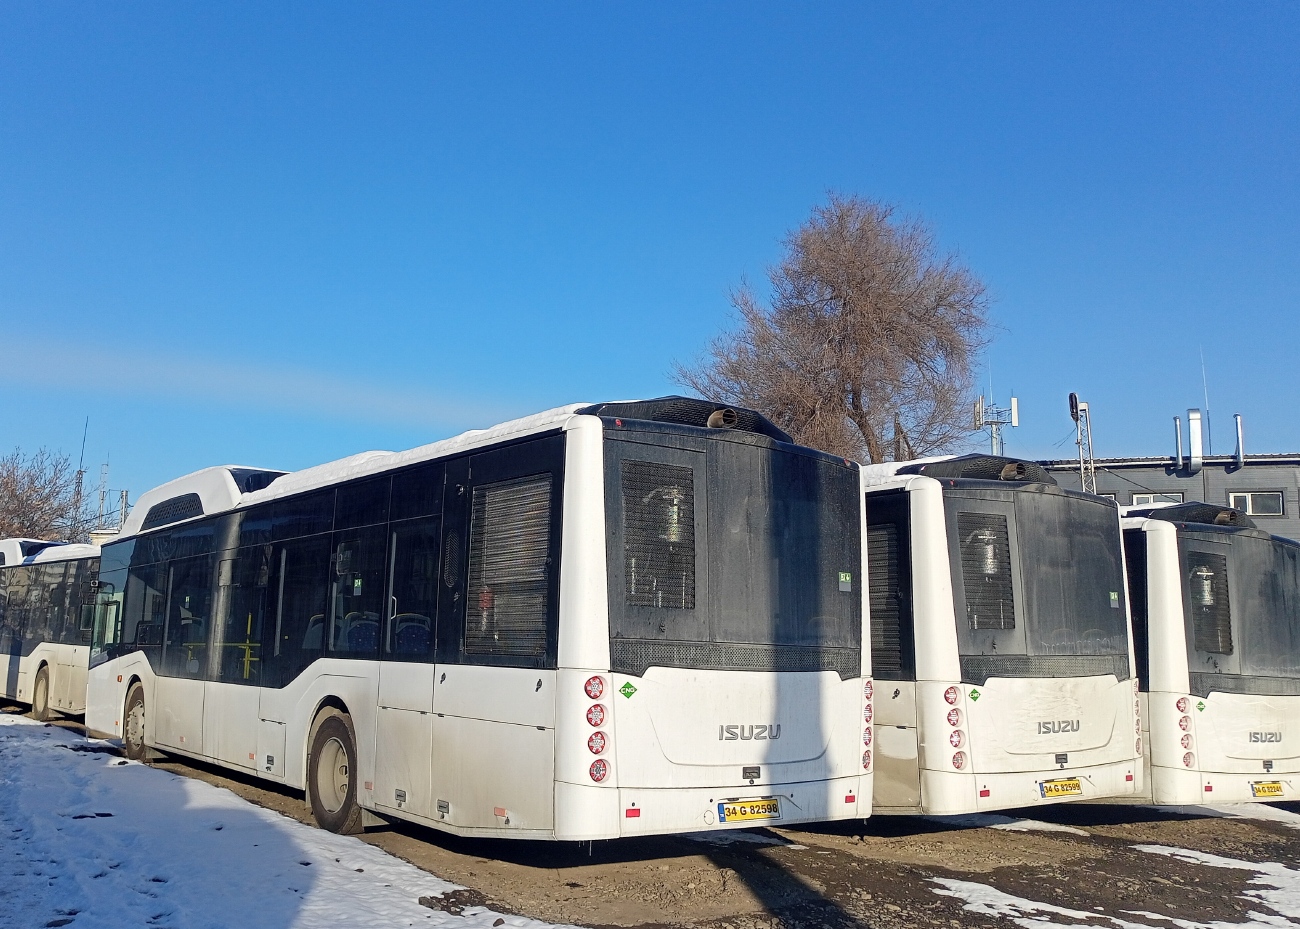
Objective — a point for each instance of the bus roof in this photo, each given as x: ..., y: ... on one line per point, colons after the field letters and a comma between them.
x: 37, y: 551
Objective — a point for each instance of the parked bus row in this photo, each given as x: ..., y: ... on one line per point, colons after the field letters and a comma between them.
x: 664, y: 616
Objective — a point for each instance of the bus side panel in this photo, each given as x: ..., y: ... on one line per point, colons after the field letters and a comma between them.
x: 70, y: 679
x: 230, y: 723
x: 494, y: 746
x: 897, y: 760
x: 584, y: 594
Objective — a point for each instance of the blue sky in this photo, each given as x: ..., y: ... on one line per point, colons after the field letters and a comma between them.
x: 281, y: 234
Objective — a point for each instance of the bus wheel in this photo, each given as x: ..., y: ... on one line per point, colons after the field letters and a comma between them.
x: 41, y: 695
x: 133, y: 724
x: 331, y: 776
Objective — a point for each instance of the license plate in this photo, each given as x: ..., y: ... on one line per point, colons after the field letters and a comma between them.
x: 1063, y: 787
x: 743, y: 811
x: 1266, y: 788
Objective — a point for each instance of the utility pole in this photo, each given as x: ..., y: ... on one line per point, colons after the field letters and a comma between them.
x: 992, y: 418
x: 1083, y: 438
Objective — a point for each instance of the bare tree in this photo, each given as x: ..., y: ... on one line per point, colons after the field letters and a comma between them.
x: 39, y: 498
x: 870, y: 329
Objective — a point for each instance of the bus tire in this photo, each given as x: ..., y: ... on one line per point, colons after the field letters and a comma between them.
x: 332, y: 776
x: 41, y: 695
x: 133, y: 724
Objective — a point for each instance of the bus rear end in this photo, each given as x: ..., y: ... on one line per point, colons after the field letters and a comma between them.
x: 735, y: 692
x: 1003, y: 619
x: 1217, y: 616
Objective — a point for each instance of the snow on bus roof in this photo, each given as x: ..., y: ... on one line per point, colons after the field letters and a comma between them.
x: 366, y: 463
x: 887, y: 471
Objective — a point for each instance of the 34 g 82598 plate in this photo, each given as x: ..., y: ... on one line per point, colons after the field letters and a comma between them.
x: 741, y: 811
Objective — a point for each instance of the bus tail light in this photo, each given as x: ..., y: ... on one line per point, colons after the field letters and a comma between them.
x: 866, y: 736
x: 1188, y: 760
x: 959, y: 760
x: 956, y: 738
x: 866, y: 714
x: 599, y: 770
x: 1187, y: 740
x: 951, y: 695
x: 1137, y: 747
x: 596, y: 743
x: 1182, y: 704
x: 867, y: 690
x: 866, y: 759
x: 954, y: 717
x: 596, y: 714
x: 595, y: 687
x: 1137, y: 726
x: 1185, y: 723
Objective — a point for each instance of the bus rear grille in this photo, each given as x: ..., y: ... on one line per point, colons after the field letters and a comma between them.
x: 977, y: 669
x: 1203, y: 684
x: 635, y: 656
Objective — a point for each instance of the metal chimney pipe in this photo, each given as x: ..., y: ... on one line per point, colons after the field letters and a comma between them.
x: 1178, y: 443
x: 1241, y: 448
x: 1195, y: 457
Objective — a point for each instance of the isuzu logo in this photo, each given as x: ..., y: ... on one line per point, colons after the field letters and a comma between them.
x: 748, y: 733
x: 1266, y: 737
x: 1054, y: 726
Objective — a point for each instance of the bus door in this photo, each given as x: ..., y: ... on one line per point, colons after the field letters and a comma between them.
x: 404, y: 717
x: 494, y: 698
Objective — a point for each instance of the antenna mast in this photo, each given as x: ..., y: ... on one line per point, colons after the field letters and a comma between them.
x: 1083, y: 438
x: 992, y: 418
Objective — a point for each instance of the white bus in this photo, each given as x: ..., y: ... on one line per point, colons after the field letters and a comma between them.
x: 1000, y: 639
x: 47, y: 601
x: 1216, y: 619
x: 599, y: 621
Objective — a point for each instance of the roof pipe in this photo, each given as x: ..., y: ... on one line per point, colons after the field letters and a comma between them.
x: 1241, y: 447
x: 1178, y: 443
x: 1195, y: 457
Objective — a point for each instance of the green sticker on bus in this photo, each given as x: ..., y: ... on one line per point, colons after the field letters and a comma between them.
x: 1200, y: 706
x: 974, y: 694
x: 627, y: 690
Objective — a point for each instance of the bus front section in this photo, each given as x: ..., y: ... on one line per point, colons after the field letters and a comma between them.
x: 1001, y: 645
x: 736, y: 692
x: 1216, y: 616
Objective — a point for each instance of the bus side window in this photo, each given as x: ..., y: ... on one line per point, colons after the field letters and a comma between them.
x: 413, y: 601
x: 301, y: 585
x: 889, y: 580
x: 189, y: 617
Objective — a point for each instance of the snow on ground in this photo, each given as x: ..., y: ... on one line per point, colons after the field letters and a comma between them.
x: 1007, y: 823
x: 1275, y: 886
x: 90, y: 841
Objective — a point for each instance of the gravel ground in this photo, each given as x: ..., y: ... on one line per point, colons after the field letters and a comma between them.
x: 1071, y: 865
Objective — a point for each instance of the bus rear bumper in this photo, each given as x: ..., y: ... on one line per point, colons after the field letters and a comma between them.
x: 1175, y: 786
x: 663, y: 811
x: 953, y: 793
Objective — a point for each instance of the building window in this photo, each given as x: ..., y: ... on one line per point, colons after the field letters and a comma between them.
x: 1110, y: 497
x: 1150, y: 499
x: 1257, y: 502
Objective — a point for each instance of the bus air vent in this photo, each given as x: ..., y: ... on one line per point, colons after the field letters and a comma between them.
x: 173, y: 510
x: 689, y: 411
x: 1197, y: 512
x: 983, y: 468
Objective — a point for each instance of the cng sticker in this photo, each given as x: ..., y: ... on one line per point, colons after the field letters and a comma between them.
x: 1200, y: 706
x: 974, y: 694
x: 627, y: 690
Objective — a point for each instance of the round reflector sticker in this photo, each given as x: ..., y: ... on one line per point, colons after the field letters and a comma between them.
x: 596, y: 714
x: 599, y: 770
x: 596, y: 743
x: 595, y: 686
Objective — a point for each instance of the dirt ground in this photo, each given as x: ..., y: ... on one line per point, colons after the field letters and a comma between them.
x: 883, y: 872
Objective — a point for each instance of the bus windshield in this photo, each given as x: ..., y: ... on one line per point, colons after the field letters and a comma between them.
x: 732, y: 553
x: 1039, y: 582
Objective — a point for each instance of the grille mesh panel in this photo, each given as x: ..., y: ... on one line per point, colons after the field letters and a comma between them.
x: 986, y: 570
x: 508, y: 547
x: 977, y: 669
x: 635, y: 656
x: 186, y: 506
x: 886, y: 605
x: 1207, y: 597
x: 1203, y: 684
x: 658, y: 535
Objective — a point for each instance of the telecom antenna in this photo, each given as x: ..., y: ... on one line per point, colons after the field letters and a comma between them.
x: 103, y: 494
x: 992, y: 418
x: 1083, y: 438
